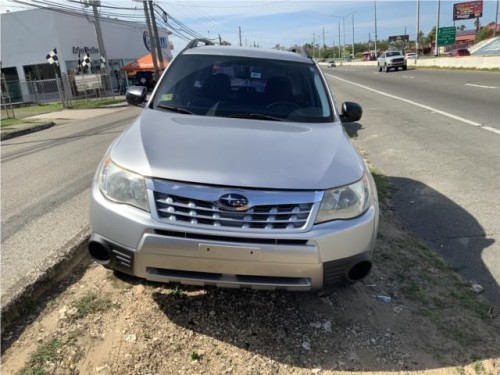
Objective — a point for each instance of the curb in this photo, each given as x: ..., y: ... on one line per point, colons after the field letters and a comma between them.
x: 32, y: 129
x: 21, y: 301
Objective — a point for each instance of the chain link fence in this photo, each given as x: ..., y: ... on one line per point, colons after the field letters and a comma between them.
x: 65, y: 90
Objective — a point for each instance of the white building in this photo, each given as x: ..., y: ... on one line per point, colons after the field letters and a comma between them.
x: 28, y: 36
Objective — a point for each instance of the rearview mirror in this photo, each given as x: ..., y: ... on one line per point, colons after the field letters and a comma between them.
x: 136, y: 95
x: 351, y: 112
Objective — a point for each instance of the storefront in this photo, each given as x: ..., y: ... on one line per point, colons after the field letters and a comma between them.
x: 28, y: 36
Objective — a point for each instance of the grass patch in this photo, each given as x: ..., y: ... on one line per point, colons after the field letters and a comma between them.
x: 47, y: 352
x: 34, y: 110
x: 90, y: 304
x: 469, y: 301
x: 414, y: 291
x: 382, y: 182
x: 98, y: 103
x: 15, y: 121
x: 54, y: 107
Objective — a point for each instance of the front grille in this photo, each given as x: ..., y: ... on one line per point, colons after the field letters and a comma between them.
x: 398, y: 60
x: 204, y: 207
x: 205, y: 213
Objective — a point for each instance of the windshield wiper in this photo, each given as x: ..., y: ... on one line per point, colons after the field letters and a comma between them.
x: 174, y: 109
x: 256, y: 116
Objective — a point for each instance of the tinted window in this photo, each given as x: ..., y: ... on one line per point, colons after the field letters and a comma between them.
x: 228, y: 86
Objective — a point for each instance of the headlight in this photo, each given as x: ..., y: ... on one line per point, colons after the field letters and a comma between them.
x: 345, y: 202
x: 122, y: 186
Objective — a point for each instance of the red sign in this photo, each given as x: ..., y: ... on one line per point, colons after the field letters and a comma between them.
x: 468, y: 10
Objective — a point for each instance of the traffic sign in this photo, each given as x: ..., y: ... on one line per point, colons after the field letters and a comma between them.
x: 446, y: 35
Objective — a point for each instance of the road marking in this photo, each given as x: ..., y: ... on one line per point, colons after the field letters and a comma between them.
x: 452, y: 116
x: 482, y: 86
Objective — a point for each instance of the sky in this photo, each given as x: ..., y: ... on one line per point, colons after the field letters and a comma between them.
x: 290, y: 22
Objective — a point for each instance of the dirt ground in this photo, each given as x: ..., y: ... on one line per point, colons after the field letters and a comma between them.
x: 97, y: 323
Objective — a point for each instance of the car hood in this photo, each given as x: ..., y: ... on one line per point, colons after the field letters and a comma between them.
x: 238, y: 152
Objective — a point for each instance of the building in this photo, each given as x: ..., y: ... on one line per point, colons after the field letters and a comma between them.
x: 28, y: 36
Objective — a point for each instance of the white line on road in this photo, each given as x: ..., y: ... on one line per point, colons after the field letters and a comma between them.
x: 482, y: 86
x: 458, y: 118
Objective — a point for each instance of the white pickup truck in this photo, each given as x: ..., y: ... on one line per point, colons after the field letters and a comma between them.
x: 391, y: 60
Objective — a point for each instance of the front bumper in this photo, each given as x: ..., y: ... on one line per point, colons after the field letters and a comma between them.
x: 394, y: 64
x: 141, y: 246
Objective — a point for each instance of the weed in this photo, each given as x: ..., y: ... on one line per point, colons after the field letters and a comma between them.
x: 414, y: 291
x: 478, y: 367
x: 457, y: 334
x: 90, y: 304
x: 382, y: 183
x: 47, y: 352
x: 195, y: 356
x: 176, y: 291
x: 461, y: 371
x: 471, y: 303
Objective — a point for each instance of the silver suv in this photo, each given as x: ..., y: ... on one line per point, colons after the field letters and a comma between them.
x: 238, y: 173
x: 391, y: 60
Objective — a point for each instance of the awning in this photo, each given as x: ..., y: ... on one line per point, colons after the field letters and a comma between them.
x: 143, y: 64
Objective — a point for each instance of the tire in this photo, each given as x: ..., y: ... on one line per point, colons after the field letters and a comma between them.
x: 404, y: 67
x: 386, y: 69
x: 379, y: 68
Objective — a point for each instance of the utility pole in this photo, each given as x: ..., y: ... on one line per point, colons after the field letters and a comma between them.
x: 100, y: 41
x: 156, y: 36
x: 314, y: 43
x: 376, y: 51
x: 323, y: 46
x: 496, y: 21
x: 436, y: 52
x: 343, y: 46
x: 151, y: 39
x: 339, y: 40
x: 239, y: 32
x: 418, y: 26
x: 353, y: 36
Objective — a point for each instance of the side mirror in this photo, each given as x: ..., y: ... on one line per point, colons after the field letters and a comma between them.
x: 351, y: 112
x: 136, y: 95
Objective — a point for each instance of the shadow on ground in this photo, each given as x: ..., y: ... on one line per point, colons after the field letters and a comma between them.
x: 434, y: 319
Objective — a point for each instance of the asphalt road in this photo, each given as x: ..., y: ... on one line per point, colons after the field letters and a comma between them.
x: 436, y: 135
x: 46, y: 178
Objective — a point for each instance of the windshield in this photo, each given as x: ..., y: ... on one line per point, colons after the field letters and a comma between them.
x: 393, y: 53
x: 228, y: 86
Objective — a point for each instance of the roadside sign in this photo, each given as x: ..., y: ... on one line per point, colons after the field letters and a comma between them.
x: 446, y: 35
x: 86, y: 82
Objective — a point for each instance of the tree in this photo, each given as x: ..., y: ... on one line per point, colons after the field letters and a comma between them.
x: 431, y: 37
x: 485, y: 33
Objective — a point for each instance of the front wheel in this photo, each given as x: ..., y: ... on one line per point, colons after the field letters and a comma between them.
x: 404, y: 67
x: 386, y: 69
x: 379, y: 68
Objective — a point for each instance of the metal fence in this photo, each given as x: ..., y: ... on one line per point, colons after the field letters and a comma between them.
x: 64, y: 89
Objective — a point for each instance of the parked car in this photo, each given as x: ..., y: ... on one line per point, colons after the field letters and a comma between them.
x: 331, y: 64
x: 459, y: 52
x: 391, y: 60
x: 411, y: 56
x: 240, y: 176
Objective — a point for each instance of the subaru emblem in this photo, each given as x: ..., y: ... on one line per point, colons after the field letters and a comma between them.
x: 233, y: 201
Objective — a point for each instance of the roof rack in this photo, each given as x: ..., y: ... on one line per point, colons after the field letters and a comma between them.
x: 300, y: 51
x: 195, y: 43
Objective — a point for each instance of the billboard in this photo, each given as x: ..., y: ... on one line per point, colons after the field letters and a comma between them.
x: 399, y: 38
x: 468, y: 10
